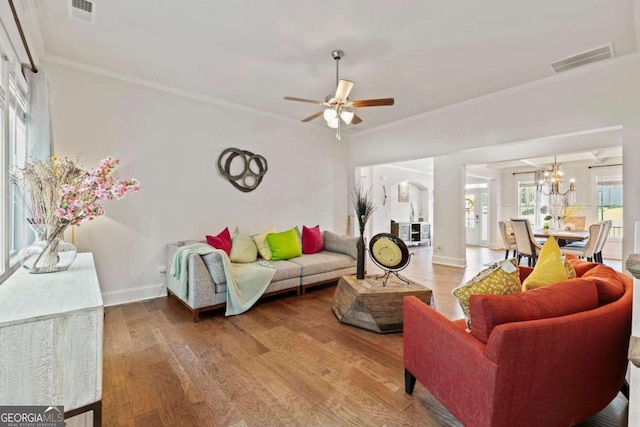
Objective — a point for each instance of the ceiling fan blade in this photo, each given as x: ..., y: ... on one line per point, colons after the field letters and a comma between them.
x: 356, y: 119
x: 372, y: 102
x: 344, y: 87
x: 313, y: 116
x: 311, y: 101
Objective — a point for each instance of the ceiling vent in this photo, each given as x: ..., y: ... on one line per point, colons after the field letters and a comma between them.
x: 83, y: 10
x: 583, y: 58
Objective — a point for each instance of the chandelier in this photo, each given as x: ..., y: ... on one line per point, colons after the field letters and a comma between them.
x: 550, y: 182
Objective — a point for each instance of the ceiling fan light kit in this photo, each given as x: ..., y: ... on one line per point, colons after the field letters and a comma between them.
x: 339, y: 108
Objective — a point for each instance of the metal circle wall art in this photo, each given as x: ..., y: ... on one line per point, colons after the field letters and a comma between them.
x: 249, y: 175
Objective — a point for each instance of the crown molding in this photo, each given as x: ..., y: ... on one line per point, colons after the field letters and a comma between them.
x: 592, y: 68
x: 162, y: 87
x: 588, y: 69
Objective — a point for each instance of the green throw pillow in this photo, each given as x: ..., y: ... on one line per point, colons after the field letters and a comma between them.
x: 284, y: 245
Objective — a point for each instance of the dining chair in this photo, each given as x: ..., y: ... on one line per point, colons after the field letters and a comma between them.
x: 602, y: 239
x: 589, y: 249
x: 527, y: 245
x: 508, y: 238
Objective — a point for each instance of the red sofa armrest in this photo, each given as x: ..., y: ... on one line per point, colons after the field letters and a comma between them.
x: 448, y: 361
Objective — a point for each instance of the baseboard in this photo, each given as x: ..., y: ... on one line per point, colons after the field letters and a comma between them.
x: 139, y: 293
x: 445, y: 260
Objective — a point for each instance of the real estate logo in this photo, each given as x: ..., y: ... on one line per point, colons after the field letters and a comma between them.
x: 32, y: 416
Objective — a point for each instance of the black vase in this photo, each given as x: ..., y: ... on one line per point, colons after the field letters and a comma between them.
x: 360, y: 261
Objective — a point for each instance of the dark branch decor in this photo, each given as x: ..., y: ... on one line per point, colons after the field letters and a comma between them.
x: 253, y: 168
x: 364, y: 207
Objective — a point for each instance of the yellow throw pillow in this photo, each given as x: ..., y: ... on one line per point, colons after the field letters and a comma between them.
x: 549, y: 269
x: 500, y: 278
x: 262, y: 244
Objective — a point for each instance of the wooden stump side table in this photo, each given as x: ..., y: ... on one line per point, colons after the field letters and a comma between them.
x: 369, y: 305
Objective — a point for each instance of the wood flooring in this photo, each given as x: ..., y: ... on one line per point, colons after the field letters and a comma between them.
x: 286, y: 362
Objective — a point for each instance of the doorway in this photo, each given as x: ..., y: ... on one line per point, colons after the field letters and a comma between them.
x: 476, y: 214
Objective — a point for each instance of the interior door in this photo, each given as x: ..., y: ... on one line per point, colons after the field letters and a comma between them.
x: 471, y: 219
x: 476, y: 214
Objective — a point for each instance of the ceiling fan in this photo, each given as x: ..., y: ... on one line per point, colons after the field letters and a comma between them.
x: 339, y: 108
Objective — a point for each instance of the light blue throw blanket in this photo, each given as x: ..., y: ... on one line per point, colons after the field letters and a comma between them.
x: 245, y: 282
x: 180, y: 266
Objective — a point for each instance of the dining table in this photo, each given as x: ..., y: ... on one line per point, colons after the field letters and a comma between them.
x: 563, y: 236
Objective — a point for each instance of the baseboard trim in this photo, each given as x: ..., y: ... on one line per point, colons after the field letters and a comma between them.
x: 140, y: 293
x: 445, y: 260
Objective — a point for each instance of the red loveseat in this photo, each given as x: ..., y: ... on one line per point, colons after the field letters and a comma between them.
x: 557, y: 369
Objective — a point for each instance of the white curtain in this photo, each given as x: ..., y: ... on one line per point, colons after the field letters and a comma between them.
x: 38, y: 124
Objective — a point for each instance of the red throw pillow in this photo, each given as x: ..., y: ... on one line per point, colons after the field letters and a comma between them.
x: 311, y: 240
x: 610, y: 286
x: 221, y: 241
x: 567, y: 297
x: 579, y: 265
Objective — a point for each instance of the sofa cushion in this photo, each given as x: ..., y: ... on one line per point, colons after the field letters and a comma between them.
x: 285, y: 270
x: 548, y: 269
x: 501, y: 278
x: 323, y: 262
x: 311, y: 240
x: 213, y: 262
x: 261, y: 242
x: 340, y: 244
x: 284, y: 245
x: 221, y: 241
x: 243, y: 248
x: 580, y: 266
x: 560, y: 299
x: 610, y: 286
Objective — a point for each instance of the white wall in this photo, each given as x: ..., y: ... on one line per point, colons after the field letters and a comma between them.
x: 419, y: 190
x: 592, y: 98
x: 171, y: 144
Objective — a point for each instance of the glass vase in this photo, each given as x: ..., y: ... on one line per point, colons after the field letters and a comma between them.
x: 558, y: 224
x: 49, y: 253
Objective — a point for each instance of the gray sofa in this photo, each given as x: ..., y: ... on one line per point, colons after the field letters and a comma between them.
x: 207, y: 287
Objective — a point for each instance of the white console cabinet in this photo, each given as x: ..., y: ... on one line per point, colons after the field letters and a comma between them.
x: 51, y: 339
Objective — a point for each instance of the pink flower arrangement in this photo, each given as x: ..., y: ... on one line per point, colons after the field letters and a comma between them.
x: 58, y: 192
x: 81, y: 200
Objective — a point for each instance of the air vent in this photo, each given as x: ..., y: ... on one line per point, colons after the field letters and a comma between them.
x: 83, y: 10
x: 583, y: 58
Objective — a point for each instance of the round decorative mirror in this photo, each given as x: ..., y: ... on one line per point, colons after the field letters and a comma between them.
x: 389, y: 253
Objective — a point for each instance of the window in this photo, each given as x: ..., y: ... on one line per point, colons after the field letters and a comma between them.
x: 13, y: 114
x: 527, y: 194
x: 609, y: 201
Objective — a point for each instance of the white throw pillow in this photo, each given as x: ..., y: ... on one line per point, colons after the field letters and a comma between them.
x: 243, y: 248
